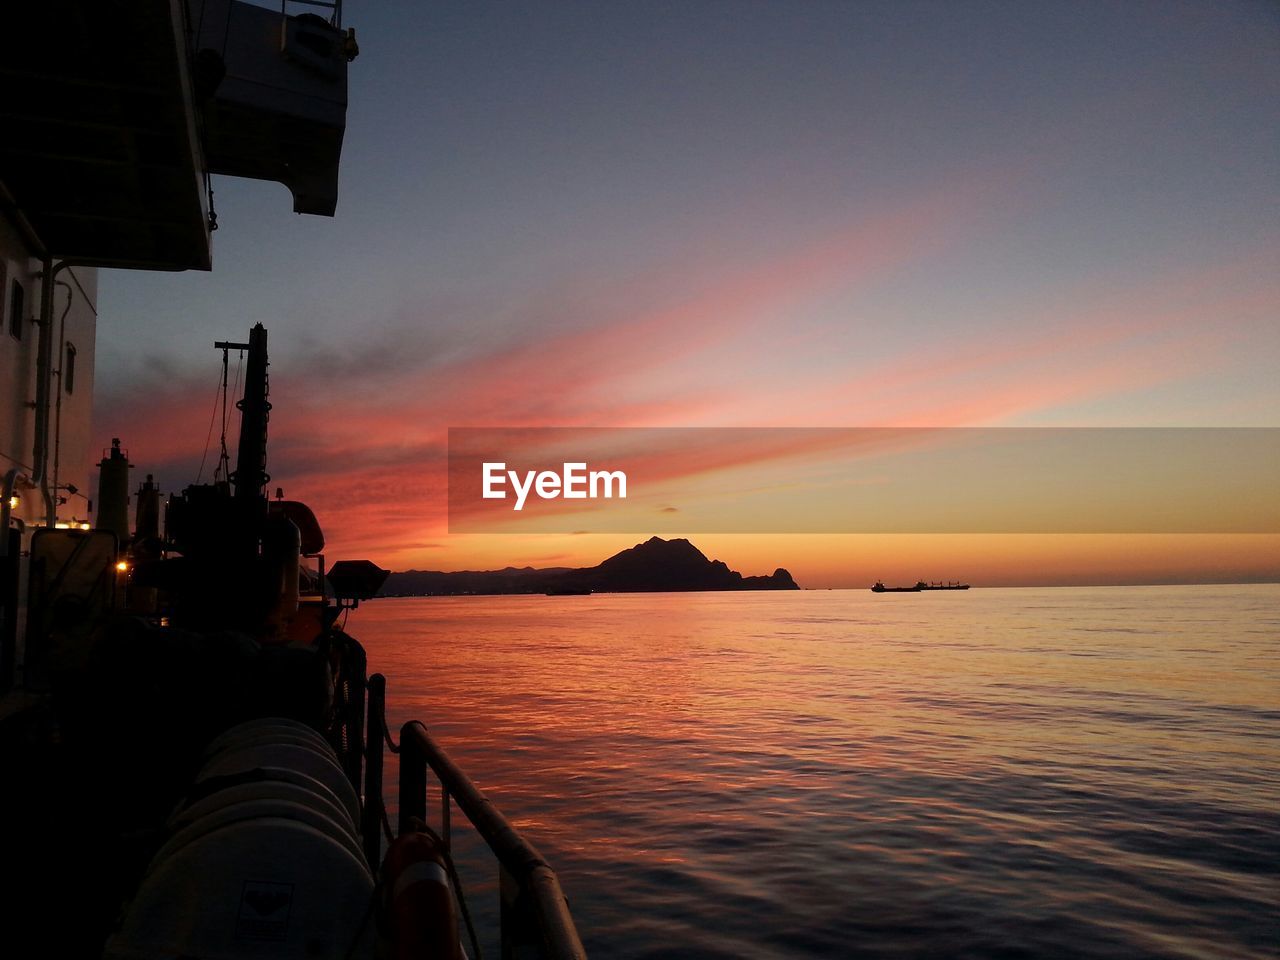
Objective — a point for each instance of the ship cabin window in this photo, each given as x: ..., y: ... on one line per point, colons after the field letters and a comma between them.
x: 69, y: 370
x: 17, y: 303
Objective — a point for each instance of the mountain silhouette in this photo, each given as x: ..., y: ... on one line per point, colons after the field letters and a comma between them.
x: 656, y: 565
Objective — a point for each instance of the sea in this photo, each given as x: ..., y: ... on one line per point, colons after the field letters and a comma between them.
x: 993, y: 773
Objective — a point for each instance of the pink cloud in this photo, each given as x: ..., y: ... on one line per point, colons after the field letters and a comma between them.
x: 366, y: 446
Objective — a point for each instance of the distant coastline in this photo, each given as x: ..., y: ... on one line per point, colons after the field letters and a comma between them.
x: 655, y: 566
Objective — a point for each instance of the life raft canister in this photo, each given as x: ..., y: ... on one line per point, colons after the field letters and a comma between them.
x: 418, y: 916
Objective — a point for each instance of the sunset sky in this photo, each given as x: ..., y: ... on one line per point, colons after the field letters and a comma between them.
x: 746, y: 214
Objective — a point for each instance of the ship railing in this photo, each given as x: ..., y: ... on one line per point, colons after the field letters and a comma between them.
x: 533, y: 910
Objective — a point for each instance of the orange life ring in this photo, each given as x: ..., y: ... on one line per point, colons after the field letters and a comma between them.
x: 419, y: 920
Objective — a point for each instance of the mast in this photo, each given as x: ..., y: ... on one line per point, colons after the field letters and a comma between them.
x: 250, y: 478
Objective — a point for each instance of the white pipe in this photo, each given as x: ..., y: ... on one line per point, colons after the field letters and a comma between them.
x: 40, y: 452
x: 62, y: 388
x: 44, y: 370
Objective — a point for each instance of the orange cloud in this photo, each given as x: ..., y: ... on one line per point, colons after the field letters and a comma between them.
x: 363, y: 438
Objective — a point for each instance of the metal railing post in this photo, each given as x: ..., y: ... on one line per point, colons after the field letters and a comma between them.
x: 534, y: 909
x: 413, y: 778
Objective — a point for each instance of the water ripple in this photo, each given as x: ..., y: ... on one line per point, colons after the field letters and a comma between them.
x: 1009, y: 774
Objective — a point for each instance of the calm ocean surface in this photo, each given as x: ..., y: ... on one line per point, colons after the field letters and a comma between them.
x: 1001, y: 773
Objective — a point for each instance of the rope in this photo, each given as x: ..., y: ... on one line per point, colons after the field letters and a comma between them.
x: 386, y: 736
x: 224, y: 460
x: 450, y: 868
x: 457, y: 884
x: 213, y: 415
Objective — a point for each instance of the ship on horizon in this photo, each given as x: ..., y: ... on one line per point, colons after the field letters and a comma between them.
x: 919, y: 587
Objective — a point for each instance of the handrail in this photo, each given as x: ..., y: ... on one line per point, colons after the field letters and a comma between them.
x: 518, y: 857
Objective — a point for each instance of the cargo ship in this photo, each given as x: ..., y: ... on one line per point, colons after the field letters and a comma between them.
x: 919, y: 587
x: 192, y: 745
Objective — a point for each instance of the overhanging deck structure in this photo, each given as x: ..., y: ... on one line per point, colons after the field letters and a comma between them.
x: 113, y: 114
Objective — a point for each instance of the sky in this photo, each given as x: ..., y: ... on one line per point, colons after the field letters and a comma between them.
x: 745, y: 214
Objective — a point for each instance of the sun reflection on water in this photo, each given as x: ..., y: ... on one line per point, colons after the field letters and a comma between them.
x: 1071, y: 772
